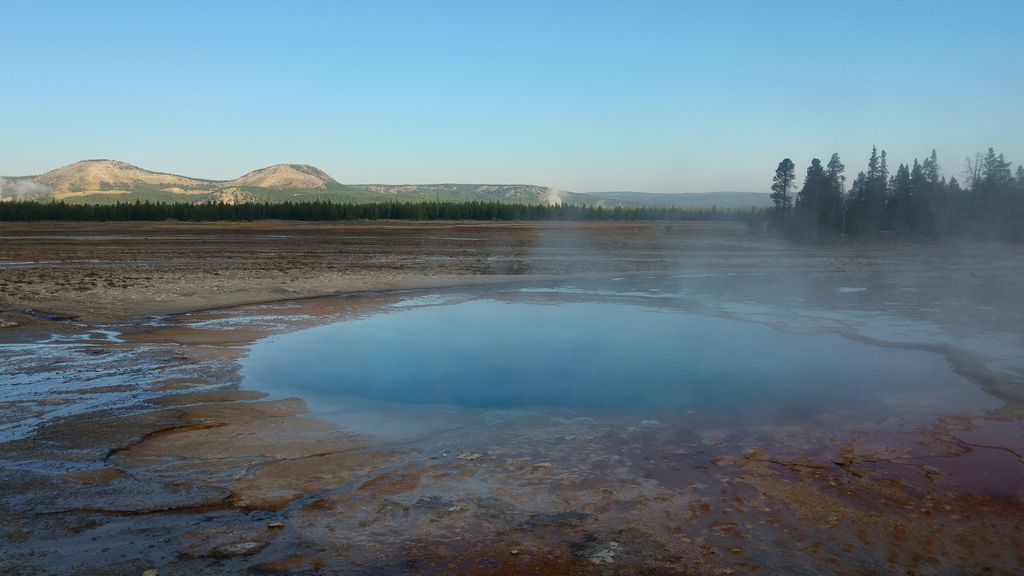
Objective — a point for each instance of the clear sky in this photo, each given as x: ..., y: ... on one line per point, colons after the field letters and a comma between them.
x: 627, y: 95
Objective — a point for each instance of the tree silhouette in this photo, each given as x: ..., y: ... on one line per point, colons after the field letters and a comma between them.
x: 834, y: 205
x: 782, y: 183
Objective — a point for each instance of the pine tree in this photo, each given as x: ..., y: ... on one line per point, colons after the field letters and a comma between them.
x: 811, y: 200
x: 931, y: 168
x: 993, y: 198
x: 935, y: 202
x: 897, y: 206
x: 866, y: 208
x: 782, y: 183
x: 834, y: 205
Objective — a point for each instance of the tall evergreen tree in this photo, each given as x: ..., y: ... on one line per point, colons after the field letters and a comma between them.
x: 936, y: 201
x: 921, y: 189
x: 931, y: 168
x: 866, y: 208
x: 834, y: 203
x: 811, y: 201
x: 897, y: 206
x: 993, y: 197
x: 957, y: 200
x: 782, y: 183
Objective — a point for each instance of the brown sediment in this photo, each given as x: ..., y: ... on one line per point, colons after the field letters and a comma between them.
x: 94, y: 476
x: 193, y: 335
x: 227, y: 542
x: 276, y: 485
x: 93, y: 435
x: 913, y: 531
x: 395, y: 481
x: 293, y: 564
x: 172, y: 384
x: 208, y: 397
x: 97, y: 390
x: 267, y: 429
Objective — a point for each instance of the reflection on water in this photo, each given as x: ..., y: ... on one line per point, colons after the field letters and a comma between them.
x: 607, y: 356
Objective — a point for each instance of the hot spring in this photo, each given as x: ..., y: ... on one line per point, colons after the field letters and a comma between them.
x: 598, y: 356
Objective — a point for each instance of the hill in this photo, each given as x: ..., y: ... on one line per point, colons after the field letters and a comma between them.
x: 285, y: 176
x: 109, y: 181
x: 106, y: 176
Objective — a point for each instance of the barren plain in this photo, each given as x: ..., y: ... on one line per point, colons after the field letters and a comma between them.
x: 129, y: 440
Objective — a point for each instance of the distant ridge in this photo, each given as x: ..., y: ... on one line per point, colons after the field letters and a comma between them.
x: 519, y: 193
x: 687, y: 199
x: 108, y: 181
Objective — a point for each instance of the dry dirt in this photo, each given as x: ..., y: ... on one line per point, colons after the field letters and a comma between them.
x: 103, y: 272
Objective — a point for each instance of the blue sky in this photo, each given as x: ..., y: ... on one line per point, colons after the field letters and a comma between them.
x: 584, y: 96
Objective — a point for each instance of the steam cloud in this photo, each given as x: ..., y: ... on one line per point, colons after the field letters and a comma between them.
x: 554, y: 196
x: 25, y: 188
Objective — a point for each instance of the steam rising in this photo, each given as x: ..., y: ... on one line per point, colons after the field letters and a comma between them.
x: 30, y: 188
x: 24, y: 189
x: 554, y: 196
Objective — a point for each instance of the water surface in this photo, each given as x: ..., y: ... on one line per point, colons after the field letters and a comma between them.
x: 598, y: 355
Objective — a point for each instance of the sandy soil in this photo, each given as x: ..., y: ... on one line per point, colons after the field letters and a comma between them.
x: 142, y: 452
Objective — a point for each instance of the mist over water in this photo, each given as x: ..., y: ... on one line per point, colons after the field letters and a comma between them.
x: 602, y: 356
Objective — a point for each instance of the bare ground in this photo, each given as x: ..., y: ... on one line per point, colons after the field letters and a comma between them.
x: 115, y: 271
x: 146, y: 454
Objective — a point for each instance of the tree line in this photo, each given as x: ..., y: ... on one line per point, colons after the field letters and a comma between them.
x: 327, y: 210
x: 915, y: 202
